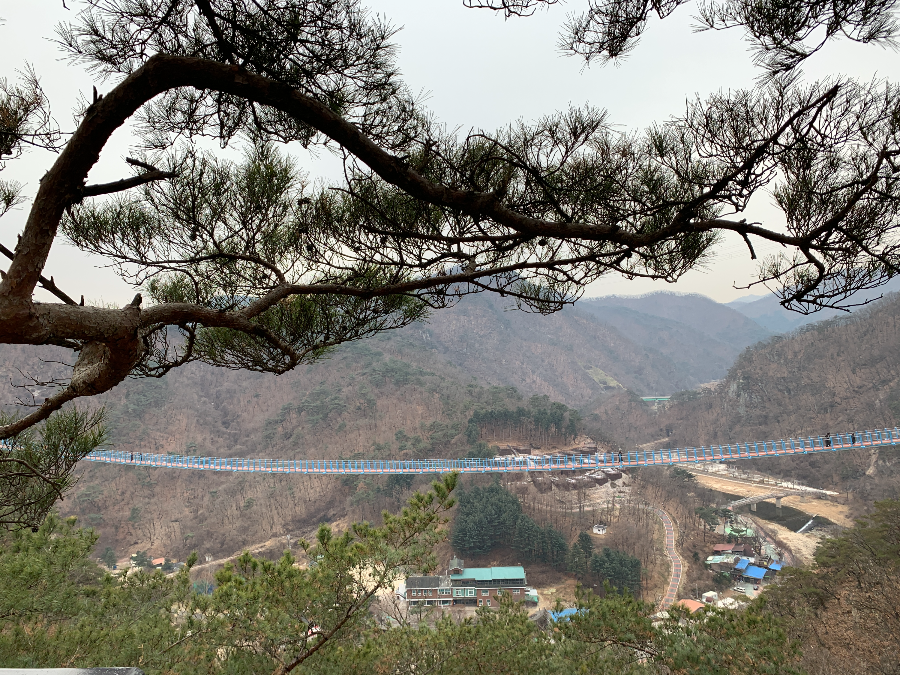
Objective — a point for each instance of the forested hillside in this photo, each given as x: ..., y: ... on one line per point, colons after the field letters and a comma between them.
x: 700, y: 336
x: 572, y: 356
x: 768, y: 313
x: 443, y: 388
x: 388, y: 397
x: 837, y: 375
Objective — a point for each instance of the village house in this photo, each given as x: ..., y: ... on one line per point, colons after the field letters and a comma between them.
x: 753, y: 574
x: 691, y: 605
x: 739, y: 549
x: 721, y: 563
x: 473, y: 586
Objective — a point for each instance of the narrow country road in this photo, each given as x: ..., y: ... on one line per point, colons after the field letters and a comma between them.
x: 672, y: 591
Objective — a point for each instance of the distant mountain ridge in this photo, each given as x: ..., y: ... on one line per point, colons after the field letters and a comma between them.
x: 768, y: 313
x: 699, y: 335
x: 592, y: 348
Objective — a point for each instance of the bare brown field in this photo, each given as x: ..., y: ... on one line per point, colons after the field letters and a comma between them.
x: 835, y: 512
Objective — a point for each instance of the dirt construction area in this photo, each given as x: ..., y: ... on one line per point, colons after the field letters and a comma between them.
x: 836, y: 513
x: 803, y: 546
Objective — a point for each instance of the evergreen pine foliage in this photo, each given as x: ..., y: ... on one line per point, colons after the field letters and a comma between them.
x: 541, y: 419
x: 486, y: 518
x: 622, y: 571
x: 492, y: 516
x: 579, y: 557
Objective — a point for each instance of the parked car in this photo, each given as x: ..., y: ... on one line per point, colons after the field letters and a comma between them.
x: 756, y: 587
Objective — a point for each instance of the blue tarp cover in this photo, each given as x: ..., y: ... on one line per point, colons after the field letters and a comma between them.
x: 564, y: 614
x: 742, y: 564
x: 775, y: 566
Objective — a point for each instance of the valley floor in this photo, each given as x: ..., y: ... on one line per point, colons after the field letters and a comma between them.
x: 834, y: 511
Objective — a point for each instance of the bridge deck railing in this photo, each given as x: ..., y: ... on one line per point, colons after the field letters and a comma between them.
x: 562, y: 462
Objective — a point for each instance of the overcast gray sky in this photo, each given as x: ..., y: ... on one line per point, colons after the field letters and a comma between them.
x: 477, y: 70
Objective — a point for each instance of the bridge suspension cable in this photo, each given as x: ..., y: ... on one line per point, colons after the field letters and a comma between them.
x: 509, y: 464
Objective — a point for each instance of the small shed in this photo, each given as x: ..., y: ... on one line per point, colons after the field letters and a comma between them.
x: 599, y: 528
x: 718, y: 560
x: 710, y: 597
x: 156, y: 562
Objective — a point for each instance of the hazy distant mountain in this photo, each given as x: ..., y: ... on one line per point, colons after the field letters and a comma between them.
x: 699, y: 335
x: 769, y: 314
x: 747, y: 298
x: 569, y: 356
x: 654, y: 344
x: 766, y: 311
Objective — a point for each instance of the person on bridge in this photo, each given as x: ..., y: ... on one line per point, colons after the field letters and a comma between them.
x: 852, y: 439
x: 828, y: 440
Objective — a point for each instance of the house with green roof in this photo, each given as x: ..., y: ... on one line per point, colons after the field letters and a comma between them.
x: 469, y: 586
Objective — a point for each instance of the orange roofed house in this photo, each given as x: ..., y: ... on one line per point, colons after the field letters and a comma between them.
x: 691, y: 605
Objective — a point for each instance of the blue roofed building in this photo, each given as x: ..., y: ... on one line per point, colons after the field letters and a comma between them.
x: 754, y: 573
x: 740, y: 565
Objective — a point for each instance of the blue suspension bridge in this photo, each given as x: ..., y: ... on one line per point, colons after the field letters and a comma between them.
x: 510, y: 464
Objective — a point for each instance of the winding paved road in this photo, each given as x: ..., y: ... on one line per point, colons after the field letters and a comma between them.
x: 677, y: 566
